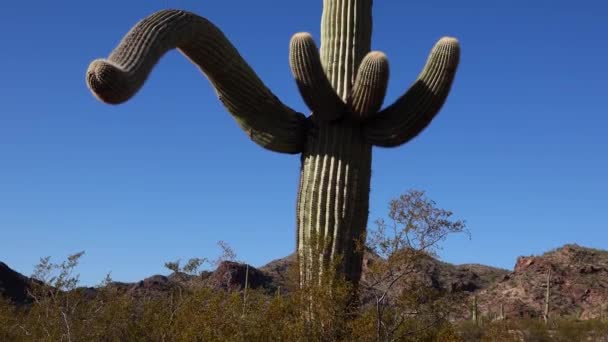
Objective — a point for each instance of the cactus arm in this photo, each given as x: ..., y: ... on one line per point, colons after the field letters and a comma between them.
x: 412, y: 112
x: 314, y: 86
x: 258, y: 112
x: 370, y: 84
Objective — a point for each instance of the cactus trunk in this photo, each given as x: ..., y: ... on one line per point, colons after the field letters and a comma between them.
x: 333, y: 203
x: 333, y: 200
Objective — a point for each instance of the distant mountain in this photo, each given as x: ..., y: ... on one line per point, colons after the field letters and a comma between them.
x: 13, y: 285
x: 578, y: 286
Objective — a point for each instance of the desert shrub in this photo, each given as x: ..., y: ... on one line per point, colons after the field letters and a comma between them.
x: 9, y: 322
x: 407, y: 307
x: 502, y: 331
x: 197, y: 313
x: 325, y: 309
x: 470, y: 331
x: 535, y: 330
x: 561, y: 329
x: 577, y: 330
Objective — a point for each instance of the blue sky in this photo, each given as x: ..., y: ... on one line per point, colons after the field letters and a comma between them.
x: 518, y: 151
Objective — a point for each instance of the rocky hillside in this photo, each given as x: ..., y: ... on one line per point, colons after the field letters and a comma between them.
x: 578, y: 282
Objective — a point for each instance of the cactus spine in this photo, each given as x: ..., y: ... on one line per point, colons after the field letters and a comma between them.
x: 344, y: 87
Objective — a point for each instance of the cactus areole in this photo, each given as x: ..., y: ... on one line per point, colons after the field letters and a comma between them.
x: 343, y: 84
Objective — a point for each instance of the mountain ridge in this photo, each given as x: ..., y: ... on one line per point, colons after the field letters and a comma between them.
x: 578, y: 283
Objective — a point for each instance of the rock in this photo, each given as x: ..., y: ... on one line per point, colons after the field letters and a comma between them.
x: 155, y: 282
x: 154, y: 286
x: 523, y: 263
x: 281, y: 272
x: 231, y: 276
x: 590, y: 269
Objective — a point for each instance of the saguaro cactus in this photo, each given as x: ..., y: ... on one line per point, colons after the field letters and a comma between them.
x: 547, y: 297
x: 344, y: 87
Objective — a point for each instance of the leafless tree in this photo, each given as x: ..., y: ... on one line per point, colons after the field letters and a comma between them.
x: 407, y: 238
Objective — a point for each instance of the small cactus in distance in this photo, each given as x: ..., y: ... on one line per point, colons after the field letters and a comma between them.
x: 475, y: 311
x: 343, y: 84
x: 547, y: 297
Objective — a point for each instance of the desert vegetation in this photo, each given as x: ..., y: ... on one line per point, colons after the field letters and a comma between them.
x: 403, y: 308
x: 393, y: 302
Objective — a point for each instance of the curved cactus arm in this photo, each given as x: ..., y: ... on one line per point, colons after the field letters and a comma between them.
x: 412, y: 112
x: 317, y: 92
x: 370, y: 85
x: 258, y: 112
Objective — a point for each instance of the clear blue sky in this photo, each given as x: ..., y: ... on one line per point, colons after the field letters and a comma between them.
x: 519, y: 150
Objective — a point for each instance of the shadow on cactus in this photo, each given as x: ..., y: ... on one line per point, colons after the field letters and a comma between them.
x: 343, y: 84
